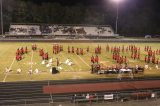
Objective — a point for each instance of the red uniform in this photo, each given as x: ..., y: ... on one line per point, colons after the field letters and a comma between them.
x: 22, y: 50
x: 34, y: 47
x: 41, y: 52
x: 96, y: 59
x: 81, y: 51
x: 46, y: 56
x: 92, y: 59
x: 18, y: 52
x: 145, y: 59
x: 17, y: 57
x: 157, y: 61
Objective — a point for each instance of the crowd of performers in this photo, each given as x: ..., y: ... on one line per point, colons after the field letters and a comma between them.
x: 21, y: 51
x: 151, y: 55
x: 57, y: 48
x: 116, y: 51
x: 94, y: 59
x: 43, y: 54
x: 135, y: 53
x: 120, y: 58
x: 78, y: 51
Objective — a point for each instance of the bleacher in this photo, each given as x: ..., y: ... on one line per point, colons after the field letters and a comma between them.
x: 24, y: 30
x: 82, y: 31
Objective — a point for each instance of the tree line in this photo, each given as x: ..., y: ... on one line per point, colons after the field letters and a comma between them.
x: 135, y: 20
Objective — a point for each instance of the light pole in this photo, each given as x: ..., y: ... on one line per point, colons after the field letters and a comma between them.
x: 117, y: 13
x: 2, y: 16
x: 117, y: 16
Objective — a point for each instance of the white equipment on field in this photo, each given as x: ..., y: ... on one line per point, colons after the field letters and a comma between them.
x: 19, y: 71
x: 69, y: 62
x: 36, y: 71
x: 43, y: 62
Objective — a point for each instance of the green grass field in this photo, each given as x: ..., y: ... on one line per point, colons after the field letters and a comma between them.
x: 80, y: 69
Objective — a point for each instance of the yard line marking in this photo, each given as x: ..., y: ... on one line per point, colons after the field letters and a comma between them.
x: 83, y: 61
x: 76, y: 63
x: 69, y: 66
x: 9, y: 69
x: 32, y: 60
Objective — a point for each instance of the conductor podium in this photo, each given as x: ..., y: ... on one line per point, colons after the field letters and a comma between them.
x: 54, y: 70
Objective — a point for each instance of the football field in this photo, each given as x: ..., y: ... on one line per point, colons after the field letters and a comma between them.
x: 80, y: 69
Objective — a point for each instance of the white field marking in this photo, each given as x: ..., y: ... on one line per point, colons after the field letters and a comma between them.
x: 69, y: 66
x: 83, y: 61
x: 32, y: 60
x: 44, y: 73
x: 76, y: 77
x: 76, y: 63
x: 9, y: 69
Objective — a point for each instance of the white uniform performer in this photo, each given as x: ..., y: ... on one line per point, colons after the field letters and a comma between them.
x: 19, y: 71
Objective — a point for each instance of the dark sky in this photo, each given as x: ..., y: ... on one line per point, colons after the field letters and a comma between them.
x: 152, y: 4
x: 71, y: 2
x: 95, y: 2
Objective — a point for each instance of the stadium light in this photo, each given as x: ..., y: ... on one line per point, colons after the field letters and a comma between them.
x: 2, y: 16
x: 117, y: 1
x: 117, y: 13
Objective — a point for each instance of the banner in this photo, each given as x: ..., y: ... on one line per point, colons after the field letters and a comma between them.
x: 108, y: 97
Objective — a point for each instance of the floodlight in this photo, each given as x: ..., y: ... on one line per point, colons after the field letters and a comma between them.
x: 117, y: 1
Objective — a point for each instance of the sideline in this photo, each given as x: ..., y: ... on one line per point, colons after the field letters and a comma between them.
x: 9, y: 69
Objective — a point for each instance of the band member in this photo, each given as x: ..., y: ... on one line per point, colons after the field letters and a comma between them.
x: 92, y: 59
x: 87, y: 49
x: 81, y: 51
x: 153, y: 60
x: 68, y: 49
x: 46, y: 56
x: 57, y: 62
x: 22, y: 50
x: 96, y: 59
x: 157, y: 61
x: 18, y: 57
x: 92, y: 68
x: 77, y: 51
x: 41, y: 52
x: 34, y: 47
x: 113, y: 56
x: 18, y: 52
x: 72, y: 49
x: 43, y: 56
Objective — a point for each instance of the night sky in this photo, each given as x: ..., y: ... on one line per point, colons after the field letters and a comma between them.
x: 126, y: 5
x: 152, y: 3
x: 70, y: 2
